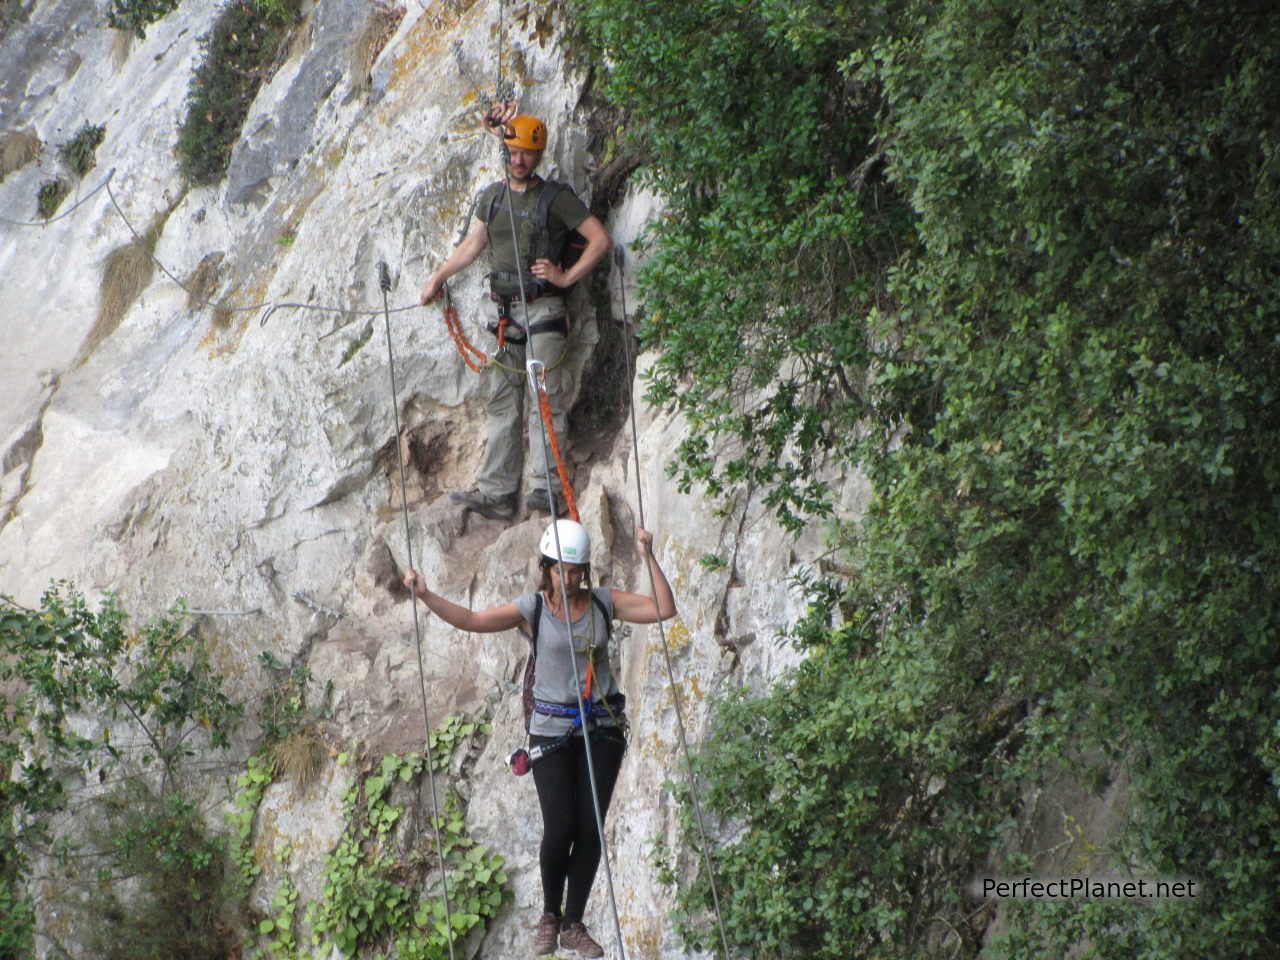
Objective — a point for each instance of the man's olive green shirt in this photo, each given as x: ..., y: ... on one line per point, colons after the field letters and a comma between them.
x: 566, y: 214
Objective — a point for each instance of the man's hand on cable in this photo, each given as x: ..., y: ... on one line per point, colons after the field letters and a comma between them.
x: 497, y: 116
x: 644, y: 541
x: 431, y: 292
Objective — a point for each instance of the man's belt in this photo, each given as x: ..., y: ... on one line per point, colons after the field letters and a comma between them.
x: 519, y: 288
x: 529, y: 295
x: 550, y: 325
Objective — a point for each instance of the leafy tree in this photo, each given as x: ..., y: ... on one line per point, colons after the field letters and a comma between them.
x: 1018, y: 264
x: 84, y: 695
x: 776, y: 238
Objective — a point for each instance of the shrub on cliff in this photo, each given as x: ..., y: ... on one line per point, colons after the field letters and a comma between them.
x: 239, y: 54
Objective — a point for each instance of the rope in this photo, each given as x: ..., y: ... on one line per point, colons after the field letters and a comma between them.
x: 544, y: 404
x: 204, y: 301
x: 384, y: 282
x: 465, y: 347
x: 662, y: 633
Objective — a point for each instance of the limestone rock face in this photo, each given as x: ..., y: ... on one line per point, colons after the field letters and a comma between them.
x: 232, y: 439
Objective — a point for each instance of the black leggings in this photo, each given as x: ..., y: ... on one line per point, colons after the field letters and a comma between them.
x: 570, y: 848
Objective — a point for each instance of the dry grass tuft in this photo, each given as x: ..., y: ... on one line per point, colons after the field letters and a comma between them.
x: 384, y: 20
x: 300, y: 758
x: 121, y: 47
x: 222, y: 315
x: 17, y: 149
x: 128, y: 271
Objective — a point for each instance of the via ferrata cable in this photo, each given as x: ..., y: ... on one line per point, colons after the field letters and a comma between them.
x: 384, y: 282
x: 666, y: 647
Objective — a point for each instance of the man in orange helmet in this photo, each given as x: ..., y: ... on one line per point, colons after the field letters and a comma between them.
x: 532, y: 270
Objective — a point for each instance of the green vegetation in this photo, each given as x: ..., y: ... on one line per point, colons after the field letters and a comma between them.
x: 375, y: 876
x: 240, y: 53
x: 163, y: 888
x: 50, y: 196
x: 154, y: 696
x: 144, y: 872
x: 134, y: 16
x: 372, y: 891
x: 290, y: 727
x: 1018, y: 265
x: 80, y: 152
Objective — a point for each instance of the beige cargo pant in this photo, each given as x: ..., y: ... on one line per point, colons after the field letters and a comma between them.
x: 512, y: 409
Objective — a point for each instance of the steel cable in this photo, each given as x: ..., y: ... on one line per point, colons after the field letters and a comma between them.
x: 662, y: 633
x: 384, y: 283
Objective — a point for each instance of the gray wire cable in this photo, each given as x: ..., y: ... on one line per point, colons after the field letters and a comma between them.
x: 384, y: 283
x: 65, y: 213
x: 666, y: 647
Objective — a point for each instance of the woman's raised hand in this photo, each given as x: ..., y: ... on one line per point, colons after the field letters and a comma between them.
x: 415, y: 582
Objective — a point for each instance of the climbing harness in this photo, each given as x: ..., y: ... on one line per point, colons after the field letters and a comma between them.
x: 570, y: 248
x: 619, y: 256
x: 476, y: 359
x: 384, y: 283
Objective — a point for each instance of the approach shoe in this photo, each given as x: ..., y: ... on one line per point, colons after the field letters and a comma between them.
x: 574, y: 936
x: 503, y: 508
x: 547, y: 935
x: 536, y: 501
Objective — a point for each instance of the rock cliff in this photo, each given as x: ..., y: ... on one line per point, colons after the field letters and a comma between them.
x: 229, y: 437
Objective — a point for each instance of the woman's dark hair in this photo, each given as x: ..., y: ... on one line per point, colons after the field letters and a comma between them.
x: 545, y: 564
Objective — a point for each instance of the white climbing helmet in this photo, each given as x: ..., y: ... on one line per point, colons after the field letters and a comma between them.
x: 575, y: 544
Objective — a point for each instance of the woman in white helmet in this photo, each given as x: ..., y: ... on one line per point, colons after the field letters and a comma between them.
x: 570, y: 850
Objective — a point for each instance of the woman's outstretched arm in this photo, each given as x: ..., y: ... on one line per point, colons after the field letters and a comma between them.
x: 636, y: 607
x: 492, y: 620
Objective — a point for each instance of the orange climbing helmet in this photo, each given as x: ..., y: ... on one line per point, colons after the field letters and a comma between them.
x: 526, y: 133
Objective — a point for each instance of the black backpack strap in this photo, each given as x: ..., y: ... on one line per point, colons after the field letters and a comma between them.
x: 608, y: 620
x: 531, y: 663
x: 497, y: 188
x: 542, y: 219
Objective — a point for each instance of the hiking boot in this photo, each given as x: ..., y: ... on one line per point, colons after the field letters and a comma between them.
x: 574, y: 936
x: 503, y: 508
x: 536, y: 501
x: 547, y: 935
